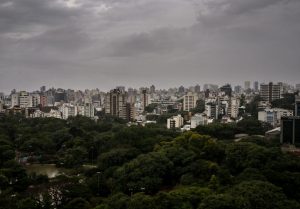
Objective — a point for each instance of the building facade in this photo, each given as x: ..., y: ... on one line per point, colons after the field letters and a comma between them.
x: 256, y: 86
x: 175, y: 122
x: 270, y: 92
x: 273, y: 116
x: 115, y: 103
x: 189, y: 101
x: 290, y: 130
x: 297, y: 105
x: 198, y: 119
x: 247, y: 85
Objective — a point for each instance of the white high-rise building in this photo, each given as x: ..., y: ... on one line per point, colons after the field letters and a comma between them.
x: 89, y: 110
x: 68, y: 110
x: 234, y: 107
x: 212, y: 108
x: 15, y: 100
x: 175, y: 122
x: 34, y: 100
x: 80, y: 110
x: 198, y: 119
x: 189, y: 101
x: 24, y: 99
x: 54, y: 114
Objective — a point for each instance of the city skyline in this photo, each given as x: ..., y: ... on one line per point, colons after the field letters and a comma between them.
x: 157, y: 87
x: 88, y: 44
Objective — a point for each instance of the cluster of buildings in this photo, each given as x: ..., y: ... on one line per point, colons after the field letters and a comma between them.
x: 56, y: 103
x: 60, y: 103
x: 128, y: 105
x: 224, y: 104
x: 269, y: 93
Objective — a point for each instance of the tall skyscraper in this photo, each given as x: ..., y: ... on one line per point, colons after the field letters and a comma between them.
x: 152, y: 89
x: 233, y: 109
x: 197, y: 88
x: 189, y: 101
x: 181, y: 89
x: 206, y: 93
x: 238, y: 89
x: 14, y: 99
x: 270, y: 92
x: 255, y: 86
x: 34, y: 100
x: 115, y: 103
x: 43, y: 100
x: 298, y: 87
x: 43, y: 88
x: 212, y: 109
x: 247, y: 85
x: 144, y: 98
x: 24, y: 99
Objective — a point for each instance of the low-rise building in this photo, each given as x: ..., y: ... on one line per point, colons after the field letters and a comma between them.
x: 189, y: 101
x: 68, y: 110
x: 198, y: 119
x: 273, y: 116
x: 175, y: 122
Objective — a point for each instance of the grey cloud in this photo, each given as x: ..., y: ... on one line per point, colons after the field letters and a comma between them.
x: 160, y: 41
x: 165, y: 42
x: 235, y: 7
x: 220, y: 13
x: 60, y: 39
x: 26, y: 13
x: 241, y: 7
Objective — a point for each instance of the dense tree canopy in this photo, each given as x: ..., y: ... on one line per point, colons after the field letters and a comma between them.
x: 110, y: 165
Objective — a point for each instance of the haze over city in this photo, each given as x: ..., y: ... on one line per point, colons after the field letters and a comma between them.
x: 88, y: 44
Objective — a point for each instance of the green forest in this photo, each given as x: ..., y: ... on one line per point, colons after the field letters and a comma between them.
x: 110, y: 165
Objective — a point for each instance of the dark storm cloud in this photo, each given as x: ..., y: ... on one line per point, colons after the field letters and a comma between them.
x: 89, y: 43
x: 160, y: 41
x: 19, y: 14
x: 240, y: 6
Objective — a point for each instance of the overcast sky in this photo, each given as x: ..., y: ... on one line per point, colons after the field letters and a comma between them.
x: 92, y: 43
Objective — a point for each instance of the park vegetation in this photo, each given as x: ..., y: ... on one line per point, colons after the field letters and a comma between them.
x: 144, y: 167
